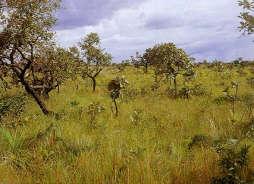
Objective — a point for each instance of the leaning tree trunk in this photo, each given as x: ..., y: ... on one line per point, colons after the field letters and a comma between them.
x: 31, y: 92
x: 45, y: 94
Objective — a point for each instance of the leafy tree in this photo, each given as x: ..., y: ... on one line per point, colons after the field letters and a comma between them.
x: 27, y: 31
x: 50, y: 70
x: 94, y: 57
x: 145, y: 61
x: 139, y: 61
x: 3, y: 75
x: 247, y: 18
x: 169, y: 60
x: 76, y: 65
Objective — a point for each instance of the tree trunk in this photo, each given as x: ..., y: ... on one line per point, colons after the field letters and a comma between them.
x: 175, y: 86
x: 116, y: 108
x: 94, y: 83
x: 45, y: 94
x: 146, y: 68
x: 30, y: 91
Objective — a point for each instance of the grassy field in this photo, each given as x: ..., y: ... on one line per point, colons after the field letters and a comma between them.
x: 155, y: 139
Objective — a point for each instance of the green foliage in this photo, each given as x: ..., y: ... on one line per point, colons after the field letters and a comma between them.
x: 12, y: 106
x: 27, y: 33
x: 247, y: 129
x: 169, y: 60
x: 247, y: 22
x: 12, y: 143
x: 232, y: 163
x: 146, y: 143
x: 94, y: 57
x: 199, y: 141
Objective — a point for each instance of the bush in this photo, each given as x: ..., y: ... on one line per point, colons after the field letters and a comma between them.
x: 129, y: 93
x: 93, y: 110
x: 199, y: 90
x: 247, y: 129
x: 232, y: 163
x: 199, y: 141
x: 184, y: 92
x: 12, y: 106
x: 222, y: 100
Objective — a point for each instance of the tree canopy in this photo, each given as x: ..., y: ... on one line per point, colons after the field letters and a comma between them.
x: 26, y: 33
x: 247, y: 17
x: 94, y: 57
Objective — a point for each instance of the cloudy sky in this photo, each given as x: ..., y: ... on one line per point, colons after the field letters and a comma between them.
x: 205, y: 29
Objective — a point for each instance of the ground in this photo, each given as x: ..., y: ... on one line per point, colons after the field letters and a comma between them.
x: 155, y: 139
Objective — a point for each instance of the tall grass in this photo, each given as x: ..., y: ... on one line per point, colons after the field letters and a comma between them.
x: 147, y: 142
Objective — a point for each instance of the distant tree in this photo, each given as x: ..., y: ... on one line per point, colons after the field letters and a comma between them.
x: 247, y: 17
x: 145, y: 62
x: 169, y: 60
x: 27, y: 31
x: 136, y: 60
x: 238, y: 61
x: 94, y: 57
x: 121, y: 66
x: 77, y: 65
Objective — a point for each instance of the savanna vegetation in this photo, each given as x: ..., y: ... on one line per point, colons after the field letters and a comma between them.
x: 74, y: 116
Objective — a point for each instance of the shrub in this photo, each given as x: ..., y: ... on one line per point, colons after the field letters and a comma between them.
x: 232, y: 163
x: 93, y: 110
x: 199, y: 141
x: 184, y: 92
x: 136, y: 117
x: 222, y: 100
x: 199, y: 90
x: 247, y: 129
x: 12, y: 106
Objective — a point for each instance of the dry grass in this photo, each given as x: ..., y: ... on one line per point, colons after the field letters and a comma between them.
x: 147, y: 143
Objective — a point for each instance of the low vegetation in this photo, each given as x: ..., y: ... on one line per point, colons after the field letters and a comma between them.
x: 156, y: 118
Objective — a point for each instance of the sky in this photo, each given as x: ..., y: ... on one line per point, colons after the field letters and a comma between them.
x: 205, y: 29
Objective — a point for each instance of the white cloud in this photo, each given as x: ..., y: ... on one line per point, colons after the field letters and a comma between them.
x: 206, y: 29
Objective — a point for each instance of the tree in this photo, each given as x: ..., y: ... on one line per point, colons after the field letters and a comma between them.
x: 169, y: 60
x: 76, y: 65
x: 145, y: 61
x: 50, y: 70
x: 247, y: 18
x: 3, y: 75
x: 136, y: 61
x: 114, y: 87
x: 94, y: 58
x: 27, y: 31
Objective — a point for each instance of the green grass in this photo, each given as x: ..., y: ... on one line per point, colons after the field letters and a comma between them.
x: 146, y: 143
